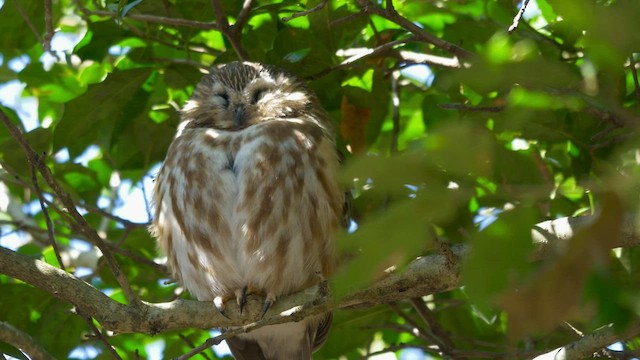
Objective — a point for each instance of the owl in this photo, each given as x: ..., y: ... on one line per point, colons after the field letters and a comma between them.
x: 247, y: 199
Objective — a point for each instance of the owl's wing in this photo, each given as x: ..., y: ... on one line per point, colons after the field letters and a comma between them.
x: 194, y: 197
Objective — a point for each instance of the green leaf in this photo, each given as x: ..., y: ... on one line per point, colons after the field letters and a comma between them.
x: 500, y: 255
x: 58, y: 329
x: 12, y: 22
x: 91, y: 118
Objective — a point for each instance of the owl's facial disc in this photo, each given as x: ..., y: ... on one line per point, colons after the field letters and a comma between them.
x: 239, y: 95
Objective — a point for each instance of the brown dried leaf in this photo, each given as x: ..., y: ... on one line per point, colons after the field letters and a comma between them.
x: 353, y: 126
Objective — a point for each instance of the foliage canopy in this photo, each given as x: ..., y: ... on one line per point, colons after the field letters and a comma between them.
x: 454, y: 131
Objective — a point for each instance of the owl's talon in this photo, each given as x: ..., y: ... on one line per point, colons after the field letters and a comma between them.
x: 241, y: 297
x: 267, y: 304
x: 219, y: 303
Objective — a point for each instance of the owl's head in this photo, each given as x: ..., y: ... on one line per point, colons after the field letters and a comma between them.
x: 240, y: 94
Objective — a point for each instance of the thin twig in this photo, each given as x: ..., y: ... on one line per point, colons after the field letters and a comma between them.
x: 316, y: 8
x: 66, y: 200
x: 395, y: 347
x: 472, y: 108
x: 232, y: 33
x: 181, y: 45
x: 422, y: 332
x: 371, y: 8
x: 444, y: 340
x: 27, y: 20
x: 124, y: 222
x: 344, y: 19
x: 356, y: 54
x: 159, y: 20
x: 192, y: 345
x: 48, y: 20
x: 516, y: 19
x: 97, y: 334
x: 430, y: 59
x: 45, y: 213
x: 395, y: 101
x: 243, y: 16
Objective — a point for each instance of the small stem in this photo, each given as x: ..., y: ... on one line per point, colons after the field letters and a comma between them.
x: 45, y: 213
x: 26, y: 19
x: 395, y: 100
x: 159, y: 20
x: 316, y: 8
x: 48, y: 19
x: 516, y: 19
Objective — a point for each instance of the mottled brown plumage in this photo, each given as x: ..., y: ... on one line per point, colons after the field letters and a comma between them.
x: 247, y: 198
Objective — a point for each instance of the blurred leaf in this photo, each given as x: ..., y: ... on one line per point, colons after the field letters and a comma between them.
x: 352, y: 329
x: 499, y: 256
x: 389, y: 240
x: 13, y: 23
x: 58, y: 329
x: 98, y: 40
x: 554, y: 294
x: 460, y: 149
x: 90, y: 118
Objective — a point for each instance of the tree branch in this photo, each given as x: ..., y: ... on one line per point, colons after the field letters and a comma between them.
x: 45, y: 213
x: 159, y: 20
x: 233, y: 32
x: 390, y: 14
x: 425, y: 275
x: 590, y: 344
x: 23, y: 341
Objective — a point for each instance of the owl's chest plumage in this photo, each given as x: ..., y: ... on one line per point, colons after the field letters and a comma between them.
x: 255, y: 207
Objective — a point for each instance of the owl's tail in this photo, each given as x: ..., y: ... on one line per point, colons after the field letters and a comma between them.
x: 283, y: 341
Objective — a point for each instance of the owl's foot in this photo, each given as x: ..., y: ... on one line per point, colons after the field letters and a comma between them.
x: 270, y: 299
x: 218, y: 301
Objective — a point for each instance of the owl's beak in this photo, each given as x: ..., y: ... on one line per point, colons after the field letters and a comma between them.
x: 241, y: 119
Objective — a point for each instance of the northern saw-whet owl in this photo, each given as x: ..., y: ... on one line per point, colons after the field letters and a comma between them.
x: 247, y: 199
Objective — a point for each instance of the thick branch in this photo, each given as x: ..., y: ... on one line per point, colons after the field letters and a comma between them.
x: 426, y: 275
